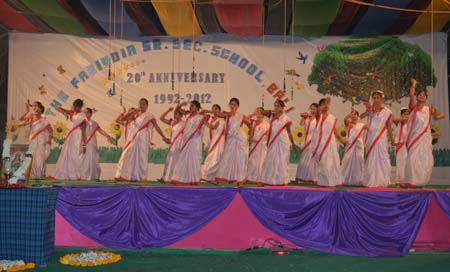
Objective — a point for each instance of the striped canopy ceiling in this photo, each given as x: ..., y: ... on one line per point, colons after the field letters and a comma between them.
x: 130, y: 19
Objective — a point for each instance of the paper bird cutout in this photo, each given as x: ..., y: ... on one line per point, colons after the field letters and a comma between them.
x: 42, y: 89
x: 328, y: 79
x: 292, y: 72
x: 302, y: 57
x: 356, y: 100
x: 320, y: 48
x: 60, y: 69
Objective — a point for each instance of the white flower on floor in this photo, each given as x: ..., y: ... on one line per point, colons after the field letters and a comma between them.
x: 17, y: 265
x: 90, y: 258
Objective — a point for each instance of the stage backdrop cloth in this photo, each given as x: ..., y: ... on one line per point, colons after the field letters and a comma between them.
x: 136, y: 217
x: 340, y: 222
x: 443, y: 199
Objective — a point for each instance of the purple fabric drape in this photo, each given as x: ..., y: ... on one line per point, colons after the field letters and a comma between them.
x: 139, y: 217
x: 443, y: 199
x: 343, y: 222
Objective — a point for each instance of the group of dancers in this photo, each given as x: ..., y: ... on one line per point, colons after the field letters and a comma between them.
x: 265, y: 161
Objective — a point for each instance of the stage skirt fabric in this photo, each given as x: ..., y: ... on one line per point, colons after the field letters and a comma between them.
x: 68, y: 164
x: 419, y: 162
x: 326, y: 153
x: 215, y: 150
x: 188, y: 166
x: 400, y: 134
x: 307, y: 168
x: 133, y: 162
x: 377, y: 158
x: 275, y: 169
x: 233, y: 166
x: 90, y: 168
x: 258, y: 151
x: 39, y: 134
x: 353, y: 161
x: 176, y: 129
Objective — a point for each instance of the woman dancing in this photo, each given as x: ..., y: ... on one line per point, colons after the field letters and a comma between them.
x: 419, y: 161
x: 176, y: 131
x: 379, y: 130
x: 68, y: 164
x: 233, y: 166
x: 307, y: 167
x: 90, y: 168
x: 133, y: 163
x: 258, y: 135
x: 216, y: 127
x: 353, y: 161
x: 41, y: 134
x: 188, y: 167
x: 275, y: 170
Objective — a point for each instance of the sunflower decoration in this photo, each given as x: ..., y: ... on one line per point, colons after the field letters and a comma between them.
x: 435, y: 133
x: 342, y: 130
x: 116, y: 129
x: 90, y: 258
x: 13, y: 129
x: 299, y: 134
x: 59, y: 132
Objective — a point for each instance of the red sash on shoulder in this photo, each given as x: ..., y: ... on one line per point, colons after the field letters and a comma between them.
x: 409, y: 144
x: 40, y: 131
x: 92, y: 135
x: 137, y: 132
x: 271, y: 141
x: 356, y: 138
x: 400, y: 142
x: 217, y: 141
x: 322, y: 119
x: 378, y: 136
x: 76, y: 127
x: 176, y: 137
x: 328, y: 139
x: 258, y: 142
x: 195, y: 131
x: 308, y: 143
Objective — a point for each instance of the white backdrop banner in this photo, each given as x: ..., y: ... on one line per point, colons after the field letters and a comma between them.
x: 56, y: 69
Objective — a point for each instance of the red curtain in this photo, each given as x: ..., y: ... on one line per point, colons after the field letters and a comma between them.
x: 15, y: 20
x: 240, y: 17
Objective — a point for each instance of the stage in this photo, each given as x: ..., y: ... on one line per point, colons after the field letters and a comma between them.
x: 356, y: 221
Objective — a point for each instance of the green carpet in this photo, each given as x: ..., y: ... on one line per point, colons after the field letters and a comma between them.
x: 260, y: 260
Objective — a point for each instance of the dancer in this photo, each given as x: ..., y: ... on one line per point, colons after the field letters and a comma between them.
x: 27, y: 116
x: 188, y: 167
x: 129, y: 124
x: 307, y: 170
x: 176, y: 131
x: 275, y: 170
x: 41, y: 134
x: 378, y: 164
x: 326, y: 153
x: 419, y: 161
x: 68, y: 164
x: 90, y: 168
x: 258, y: 135
x: 233, y: 166
x: 353, y: 161
x: 216, y: 127
x: 133, y: 163
x: 400, y: 134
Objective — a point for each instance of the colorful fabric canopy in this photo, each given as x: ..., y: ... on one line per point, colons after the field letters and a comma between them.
x: 132, y: 19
